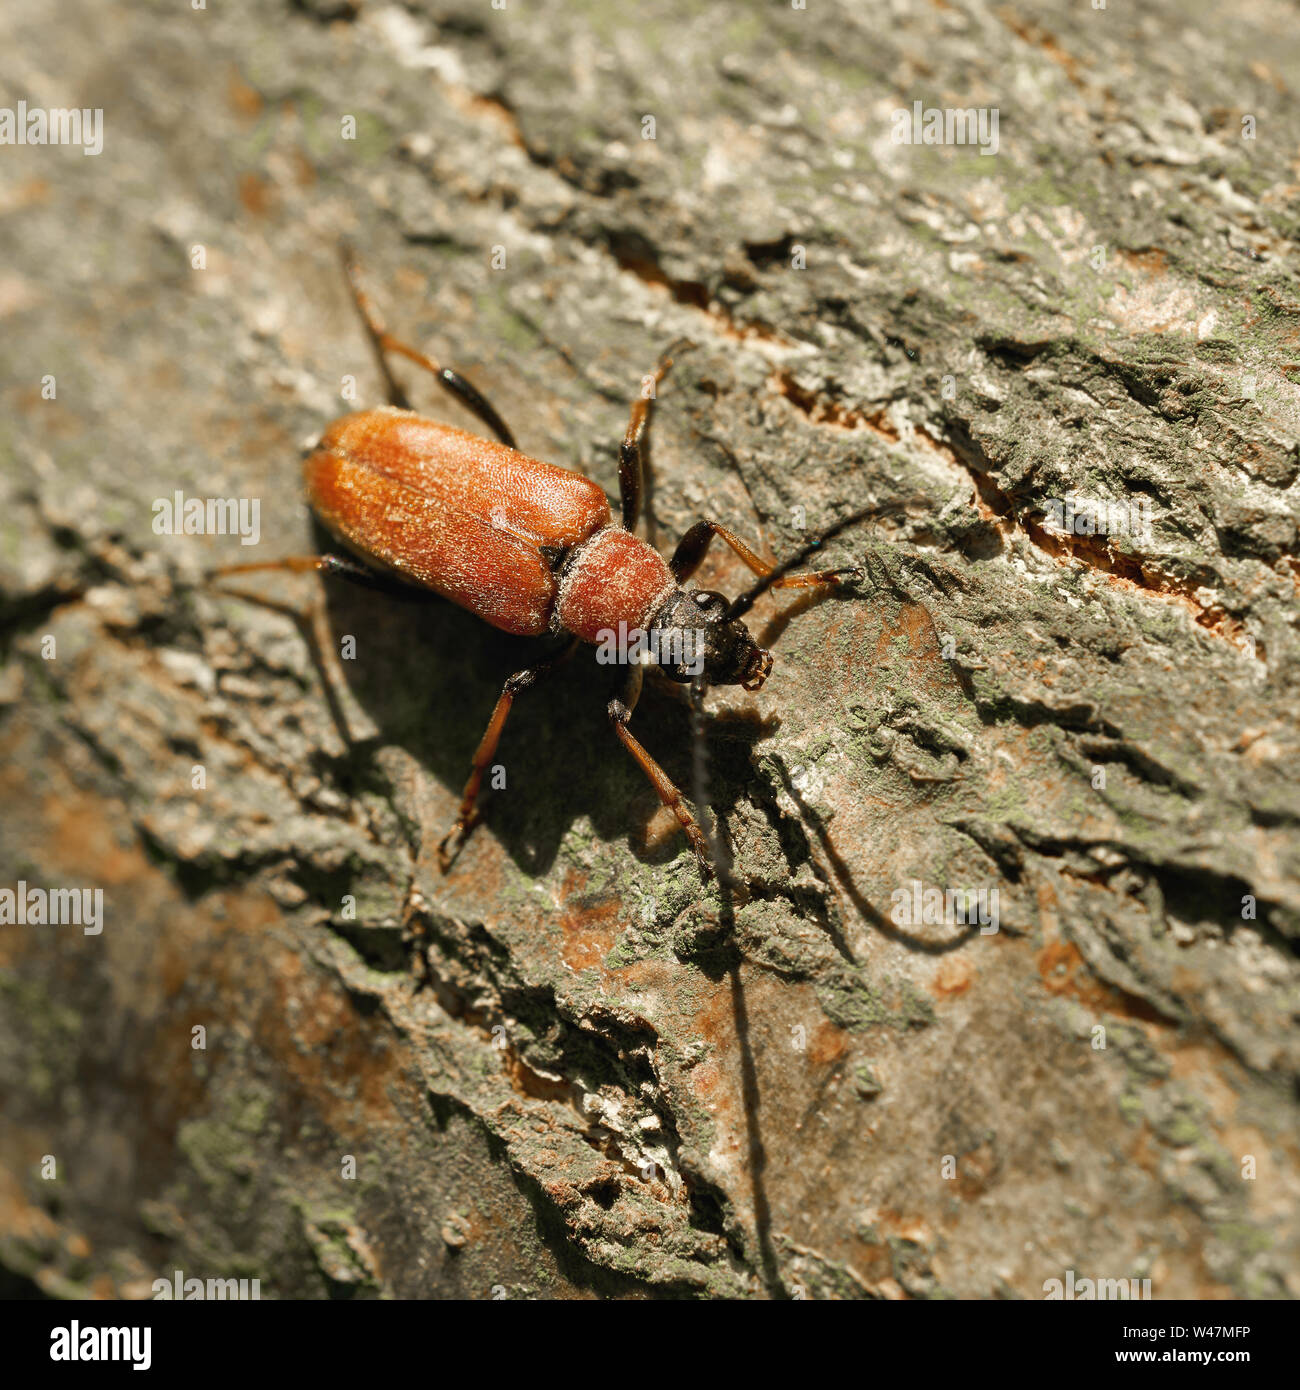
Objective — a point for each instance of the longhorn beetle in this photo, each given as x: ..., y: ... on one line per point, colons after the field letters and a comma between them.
x: 533, y: 549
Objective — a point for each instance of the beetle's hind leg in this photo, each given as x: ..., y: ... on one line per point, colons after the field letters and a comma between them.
x: 468, y: 816
x: 312, y: 622
x: 384, y: 343
x: 342, y: 565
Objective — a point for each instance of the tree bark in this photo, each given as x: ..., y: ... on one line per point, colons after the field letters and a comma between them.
x: 565, y: 1069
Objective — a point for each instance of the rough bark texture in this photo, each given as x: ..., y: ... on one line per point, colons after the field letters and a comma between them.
x: 1103, y: 729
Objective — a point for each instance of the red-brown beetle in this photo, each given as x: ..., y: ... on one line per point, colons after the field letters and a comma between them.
x: 531, y: 548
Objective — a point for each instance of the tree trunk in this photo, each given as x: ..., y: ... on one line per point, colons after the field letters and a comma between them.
x: 297, y: 1051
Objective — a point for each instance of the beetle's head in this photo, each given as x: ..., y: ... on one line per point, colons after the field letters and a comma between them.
x: 695, y: 637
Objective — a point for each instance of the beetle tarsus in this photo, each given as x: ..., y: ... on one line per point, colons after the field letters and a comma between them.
x: 698, y: 843
x: 455, y: 838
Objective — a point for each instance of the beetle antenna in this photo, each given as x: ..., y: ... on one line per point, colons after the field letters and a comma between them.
x: 744, y: 602
x: 719, y: 855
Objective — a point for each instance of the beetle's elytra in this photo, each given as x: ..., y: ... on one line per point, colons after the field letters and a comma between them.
x: 482, y: 525
x: 531, y: 548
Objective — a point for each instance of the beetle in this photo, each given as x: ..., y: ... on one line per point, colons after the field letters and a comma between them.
x: 535, y: 550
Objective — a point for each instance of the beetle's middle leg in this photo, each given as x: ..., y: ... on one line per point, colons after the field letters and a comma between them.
x: 620, y: 711
x: 383, y: 343
x: 468, y: 816
x: 693, y: 545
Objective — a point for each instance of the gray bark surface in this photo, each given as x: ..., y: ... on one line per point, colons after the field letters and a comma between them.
x: 564, y: 1069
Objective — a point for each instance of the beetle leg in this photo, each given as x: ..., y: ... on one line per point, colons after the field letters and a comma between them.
x: 383, y: 343
x: 341, y: 565
x: 692, y: 546
x: 468, y: 816
x: 620, y: 711
x: 631, y: 454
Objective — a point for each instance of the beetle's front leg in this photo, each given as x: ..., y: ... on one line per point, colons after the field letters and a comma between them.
x: 468, y: 817
x: 620, y: 711
x: 693, y: 545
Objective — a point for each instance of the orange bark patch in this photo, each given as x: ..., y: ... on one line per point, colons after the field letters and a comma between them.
x: 255, y: 194
x: 923, y: 651
x: 1035, y: 35
x: 953, y: 977
x: 822, y: 409
x: 351, y: 1074
x: 827, y: 1043
x: 975, y: 1171
x: 586, y: 946
x: 589, y: 930
x: 244, y: 100
x: 1152, y: 261
x: 91, y: 842
x: 1064, y: 972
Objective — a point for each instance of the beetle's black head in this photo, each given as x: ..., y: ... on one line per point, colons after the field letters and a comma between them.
x: 695, y: 637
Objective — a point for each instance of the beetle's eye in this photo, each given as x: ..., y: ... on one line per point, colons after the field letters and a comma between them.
x: 709, y: 601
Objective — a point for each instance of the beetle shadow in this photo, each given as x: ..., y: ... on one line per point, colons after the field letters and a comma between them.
x: 428, y: 674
